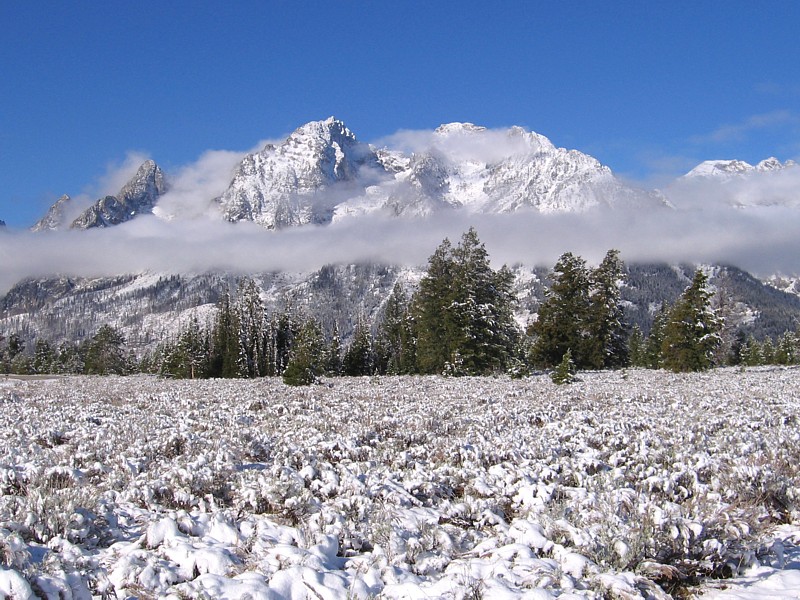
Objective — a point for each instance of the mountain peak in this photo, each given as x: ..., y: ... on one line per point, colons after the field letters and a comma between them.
x: 458, y: 128
x: 720, y: 168
x: 297, y: 181
x: 55, y: 218
x: 138, y: 196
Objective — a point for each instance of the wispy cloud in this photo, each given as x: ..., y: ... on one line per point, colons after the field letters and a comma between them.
x: 739, y: 131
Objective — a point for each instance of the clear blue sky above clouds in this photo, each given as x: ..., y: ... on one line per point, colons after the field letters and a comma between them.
x: 649, y: 88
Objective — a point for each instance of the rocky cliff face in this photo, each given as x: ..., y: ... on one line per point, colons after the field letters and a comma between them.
x: 136, y: 197
x: 301, y: 180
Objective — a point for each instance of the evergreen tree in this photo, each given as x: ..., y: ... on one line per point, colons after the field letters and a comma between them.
x: 251, y: 358
x: 105, y: 353
x: 15, y: 346
x: 637, y: 354
x: 282, y: 332
x: 333, y: 356
x: 188, y: 358
x: 565, y: 371
x: 692, y: 331
x: 224, y: 352
x: 751, y: 353
x: 432, y: 319
x: 737, y: 345
x: 785, y: 350
x: 69, y: 359
x: 768, y: 352
x: 394, y: 345
x: 44, y: 357
x: 563, y: 319
x: 655, y: 340
x: 358, y: 360
x: 306, y: 359
x: 607, y: 331
x: 463, y: 311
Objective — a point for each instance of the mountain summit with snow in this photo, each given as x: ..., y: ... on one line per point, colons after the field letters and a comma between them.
x: 301, y: 180
x: 321, y: 173
x: 725, y: 169
x: 136, y: 197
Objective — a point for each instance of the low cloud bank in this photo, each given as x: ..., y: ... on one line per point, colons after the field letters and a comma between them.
x: 762, y: 240
x: 751, y: 222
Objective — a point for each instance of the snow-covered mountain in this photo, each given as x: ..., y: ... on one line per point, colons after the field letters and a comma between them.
x: 138, y: 196
x: 321, y: 173
x: 736, y: 183
x: 725, y: 169
x: 464, y: 166
x: 55, y: 217
x: 301, y: 180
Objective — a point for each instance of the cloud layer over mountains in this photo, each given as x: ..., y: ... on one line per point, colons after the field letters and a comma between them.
x: 748, y: 219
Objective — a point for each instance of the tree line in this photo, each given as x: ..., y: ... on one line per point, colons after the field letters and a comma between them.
x: 459, y: 321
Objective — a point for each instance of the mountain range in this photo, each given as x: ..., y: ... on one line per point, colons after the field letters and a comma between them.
x: 322, y: 174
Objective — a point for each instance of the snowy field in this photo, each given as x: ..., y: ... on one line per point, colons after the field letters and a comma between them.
x: 636, y: 484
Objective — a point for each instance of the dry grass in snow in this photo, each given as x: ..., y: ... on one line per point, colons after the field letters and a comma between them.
x: 636, y: 484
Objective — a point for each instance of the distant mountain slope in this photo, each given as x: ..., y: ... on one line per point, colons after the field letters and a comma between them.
x: 151, y: 307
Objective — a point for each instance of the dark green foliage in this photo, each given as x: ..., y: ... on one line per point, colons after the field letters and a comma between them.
x: 655, y: 340
x: 44, y: 357
x: 565, y: 371
x: 691, y: 333
x: 333, y: 356
x: 636, y: 348
x: 462, y: 312
x: 359, y: 358
x: 607, y: 344
x: 306, y: 362
x: 432, y: 322
x: 105, y: 353
x: 562, y: 324
x: 189, y: 357
x: 395, y: 348
x: 582, y: 313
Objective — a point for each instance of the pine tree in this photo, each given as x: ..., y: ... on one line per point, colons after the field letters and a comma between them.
x: 333, y: 355
x: 251, y: 319
x: 359, y: 359
x: 43, y: 357
x: 691, y: 334
x: 785, y: 350
x: 565, y: 371
x: 636, y: 348
x: 751, y: 353
x: 188, y: 357
x: 655, y: 339
x: 432, y: 319
x: 224, y: 352
x: 463, y: 312
x: 562, y: 323
x: 306, y: 361
x: 105, y: 353
x: 607, y: 331
x: 394, y: 347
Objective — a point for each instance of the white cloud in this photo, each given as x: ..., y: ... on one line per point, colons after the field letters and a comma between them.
x: 194, y: 186
x: 740, y: 131
x: 706, y: 226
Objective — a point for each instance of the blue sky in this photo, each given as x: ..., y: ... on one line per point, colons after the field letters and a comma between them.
x: 650, y: 89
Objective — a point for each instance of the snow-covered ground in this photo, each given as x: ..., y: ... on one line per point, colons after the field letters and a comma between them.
x: 630, y: 484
